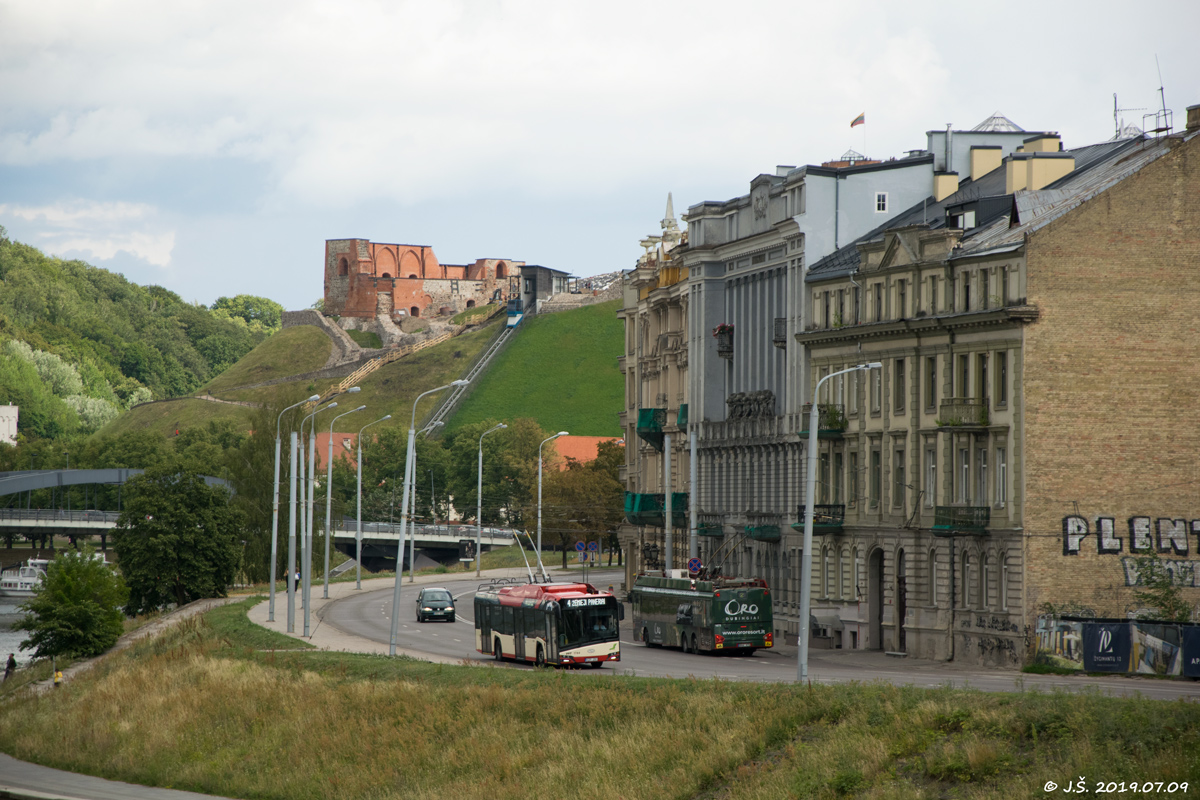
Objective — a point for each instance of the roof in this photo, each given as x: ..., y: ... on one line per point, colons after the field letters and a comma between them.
x: 998, y: 122
x: 581, y: 448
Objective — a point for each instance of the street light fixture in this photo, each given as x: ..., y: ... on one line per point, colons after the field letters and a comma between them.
x: 275, y: 503
x: 539, y: 543
x: 479, y: 499
x: 329, y: 494
x: 810, y: 486
x: 412, y: 523
x: 408, y: 477
x: 358, y: 535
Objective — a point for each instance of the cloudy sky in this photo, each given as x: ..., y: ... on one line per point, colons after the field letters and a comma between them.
x: 211, y: 146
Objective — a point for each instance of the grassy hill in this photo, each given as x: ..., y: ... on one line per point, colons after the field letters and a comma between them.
x: 291, y: 351
x: 561, y: 370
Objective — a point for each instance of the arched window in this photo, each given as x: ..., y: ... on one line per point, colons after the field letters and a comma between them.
x: 343, y: 267
x: 966, y: 580
x: 933, y: 577
x: 470, y: 304
x: 387, y: 275
x: 1002, y: 589
x: 414, y: 311
x: 985, y: 580
x: 412, y: 277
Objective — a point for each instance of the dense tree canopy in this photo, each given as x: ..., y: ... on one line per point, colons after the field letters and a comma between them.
x: 177, y: 540
x: 77, y: 610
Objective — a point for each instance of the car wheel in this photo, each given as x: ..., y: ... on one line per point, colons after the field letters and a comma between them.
x: 540, y: 659
x: 498, y: 651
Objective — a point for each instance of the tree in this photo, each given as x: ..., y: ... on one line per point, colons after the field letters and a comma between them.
x: 251, y: 308
x: 177, y: 540
x: 583, y: 501
x: 77, y: 609
x: 1158, y: 593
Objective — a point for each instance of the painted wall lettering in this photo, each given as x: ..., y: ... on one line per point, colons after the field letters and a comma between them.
x: 1146, y: 535
x: 1183, y: 573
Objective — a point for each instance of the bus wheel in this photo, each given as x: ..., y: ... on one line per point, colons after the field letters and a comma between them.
x: 498, y: 651
x: 540, y: 658
x: 684, y: 643
x: 694, y: 650
x: 646, y: 637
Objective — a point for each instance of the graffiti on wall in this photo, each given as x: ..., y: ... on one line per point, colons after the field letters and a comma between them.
x: 1145, y: 535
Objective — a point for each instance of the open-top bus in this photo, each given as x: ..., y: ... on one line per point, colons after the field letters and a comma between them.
x: 722, y: 615
x: 548, y: 623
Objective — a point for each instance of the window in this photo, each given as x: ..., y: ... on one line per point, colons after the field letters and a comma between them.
x: 931, y: 382
x: 876, y: 478
x: 1001, y: 477
x: 828, y: 319
x: 529, y: 286
x: 964, y: 479
x: 901, y: 483
x: 1004, y: 286
x: 964, y: 373
x: 981, y: 376
x: 985, y: 578
x: 731, y: 227
x: 1002, y: 589
x: 857, y: 318
x: 828, y: 565
x: 1001, y: 378
x: 932, y: 577
x: 823, y: 494
x: 853, y: 476
x: 901, y: 299
x: 981, y: 487
x: 985, y: 281
x: 876, y: 390
x: 930, y: 477
x: 966, y: 292
x: 966, y: 580
x: 881, y: 202
x: 877, y: 298
x: 933, y: 282
x: 898, y: 380
x: 852, y: 396
x: 837, y: 479
x: 840, y: 318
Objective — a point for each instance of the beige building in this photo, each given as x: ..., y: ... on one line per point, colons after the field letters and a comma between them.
x: 1032, y: 432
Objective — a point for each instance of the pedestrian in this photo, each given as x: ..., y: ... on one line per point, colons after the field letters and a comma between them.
x: 10, y: 667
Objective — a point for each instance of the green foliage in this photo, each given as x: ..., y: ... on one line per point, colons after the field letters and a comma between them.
x: 584, y: 501
x: 258, y: 313
x: 76, y: 612
x: 177, y: 540
x: 1158, y: 593
x: 368, y: 339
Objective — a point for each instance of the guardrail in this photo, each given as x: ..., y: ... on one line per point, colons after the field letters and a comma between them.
x: 58, y: 515
x: 447, y: 532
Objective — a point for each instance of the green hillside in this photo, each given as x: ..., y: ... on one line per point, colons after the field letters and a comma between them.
x: 561, y: 370
x: 291, y: 351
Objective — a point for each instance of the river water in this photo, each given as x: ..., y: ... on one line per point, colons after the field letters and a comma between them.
x: 10, y: 640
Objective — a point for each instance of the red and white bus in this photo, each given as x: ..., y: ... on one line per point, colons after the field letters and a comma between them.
x: 548, y: 623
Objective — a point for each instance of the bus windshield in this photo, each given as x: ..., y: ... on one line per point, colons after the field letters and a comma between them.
x: 581, y: 624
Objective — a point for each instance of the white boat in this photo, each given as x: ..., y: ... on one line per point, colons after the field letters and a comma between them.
x: 24, y: 580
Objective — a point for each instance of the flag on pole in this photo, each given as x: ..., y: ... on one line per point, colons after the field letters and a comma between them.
x: 861, y: 119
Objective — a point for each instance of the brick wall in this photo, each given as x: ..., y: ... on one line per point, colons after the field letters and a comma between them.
x: 1112, y: 388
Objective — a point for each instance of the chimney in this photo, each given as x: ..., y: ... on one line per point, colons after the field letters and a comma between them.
x: 1042, y: 143
x: 944, y: 185
x: 1043, y: 169
x: 1193, y: 118
x: 984, y: 159
x: 1015, y: 172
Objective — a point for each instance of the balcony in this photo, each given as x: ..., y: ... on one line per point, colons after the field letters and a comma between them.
x: 962, y: 412
x: 710, y: 525
x: 682, y: 419
x: 831, y: 420
x: 763, y: 533
x: 648, y: 509
x: 650, y: 426
x: 780, y: 337
x: 969, y: 520
x: 827, y: 518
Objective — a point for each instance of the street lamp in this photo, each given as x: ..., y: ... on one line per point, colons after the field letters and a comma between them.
x: 358, y: 536
x: 412, y: 523
x: 275, y: 504
x: 479, y: 499
x: 810, y: 486
x: 329, y: 493
x: 306, y: 542
x: 408, y: 477
x: 539, y: 544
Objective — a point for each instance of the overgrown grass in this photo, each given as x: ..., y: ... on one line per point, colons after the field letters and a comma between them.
x: 561, y: 370
x: 368, y: 339
x: 166, y: 418
x: 207, y: 708
x: 291, y: 351
x: 473, y: 315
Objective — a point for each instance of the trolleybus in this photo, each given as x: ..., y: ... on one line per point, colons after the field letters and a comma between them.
x: 721, y: 615
x: 548, y: 623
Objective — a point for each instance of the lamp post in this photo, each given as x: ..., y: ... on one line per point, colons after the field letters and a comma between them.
x: 329, y: 494
x: 275, y: 504
x: 479, y: 499
x: 810, y: 486
x: 539, y: 543
x: 412, y: 523
x: 306, y: 566
x: 358, y: 535
x: 408, y: 477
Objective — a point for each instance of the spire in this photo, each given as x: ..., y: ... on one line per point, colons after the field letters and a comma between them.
x: 668, y: 221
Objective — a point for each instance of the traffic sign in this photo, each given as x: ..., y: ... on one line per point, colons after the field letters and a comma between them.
x: 693, y: 567
x: 580, y: 546
x: 593, y: 546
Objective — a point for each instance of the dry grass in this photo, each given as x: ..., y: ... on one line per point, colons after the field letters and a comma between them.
x: 201, y: 709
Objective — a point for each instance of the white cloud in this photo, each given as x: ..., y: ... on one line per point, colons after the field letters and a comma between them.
x: 97, y: 230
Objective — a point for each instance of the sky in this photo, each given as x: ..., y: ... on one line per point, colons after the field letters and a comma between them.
x: 212, y: 146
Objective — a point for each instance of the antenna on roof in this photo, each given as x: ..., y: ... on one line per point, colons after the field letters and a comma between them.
x: 1163, y: 118
x: 1118, y: 123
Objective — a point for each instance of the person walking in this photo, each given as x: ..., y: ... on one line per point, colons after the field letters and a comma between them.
x: 10, y: 667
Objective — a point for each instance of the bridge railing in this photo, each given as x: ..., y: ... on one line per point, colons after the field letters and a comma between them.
x: 107, y: 518
x: 448, y: 532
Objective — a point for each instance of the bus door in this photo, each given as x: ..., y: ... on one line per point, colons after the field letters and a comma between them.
x: 551, y: 634
x: 519, y: 632
x: 483, y: 626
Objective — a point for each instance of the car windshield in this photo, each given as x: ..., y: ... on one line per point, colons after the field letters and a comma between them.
x: 436, y: 596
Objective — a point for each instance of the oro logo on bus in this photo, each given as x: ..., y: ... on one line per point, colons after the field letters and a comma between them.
x: 733, y: 608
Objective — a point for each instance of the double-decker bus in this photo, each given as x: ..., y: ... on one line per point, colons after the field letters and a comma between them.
x: 548, y: 623
x: 722, y: 615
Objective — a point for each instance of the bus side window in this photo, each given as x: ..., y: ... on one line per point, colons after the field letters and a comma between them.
x: 620, y: 611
